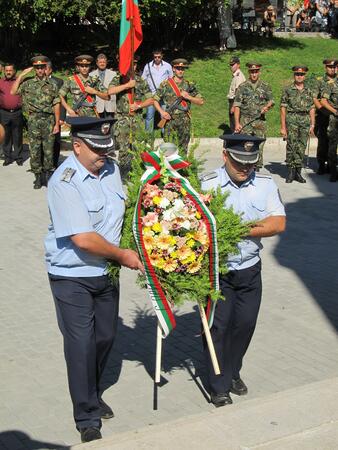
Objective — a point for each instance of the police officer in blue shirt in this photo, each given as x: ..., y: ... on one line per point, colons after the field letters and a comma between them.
x: 86, y: 205
x: 256, y: 197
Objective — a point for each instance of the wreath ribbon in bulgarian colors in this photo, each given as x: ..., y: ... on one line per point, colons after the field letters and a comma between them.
x: 168, y: 166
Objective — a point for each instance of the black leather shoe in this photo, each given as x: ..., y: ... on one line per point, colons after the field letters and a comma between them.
x: 37, y: 182
x: 298, y: 175
x: 291, y: 175
x: 238, y: 387
x: 221, y: 399
x: 19, y: 162
x: 106, y: 411
x: 6, y: 162
x: 90, y: 434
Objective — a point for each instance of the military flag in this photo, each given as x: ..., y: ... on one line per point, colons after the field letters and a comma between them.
x: 130, y: 34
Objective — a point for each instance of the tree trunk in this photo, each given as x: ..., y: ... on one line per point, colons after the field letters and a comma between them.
x: 224, y: 22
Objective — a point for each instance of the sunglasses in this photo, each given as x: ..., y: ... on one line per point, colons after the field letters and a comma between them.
x: 299, y: 74
x: 179, y: 68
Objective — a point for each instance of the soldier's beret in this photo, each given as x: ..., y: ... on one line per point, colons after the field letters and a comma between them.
x: 302, y: 69
x: 234, y: 60
x: 330, y: 62
x: 84, y: 59
x: 97, y: 133
x: 243, y: 148
x: 253, y: 65
x: 39, y: 60
x: 180, y: 62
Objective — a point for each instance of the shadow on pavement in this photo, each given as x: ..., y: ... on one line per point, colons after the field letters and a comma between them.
x: 13, y: 439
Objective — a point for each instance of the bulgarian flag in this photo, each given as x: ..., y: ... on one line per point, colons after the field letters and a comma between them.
x: 130, y: 34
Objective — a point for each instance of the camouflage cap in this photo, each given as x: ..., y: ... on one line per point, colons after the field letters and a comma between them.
x: 234, y: 60
x: 253, y: 65
x: 330, y: 62
x: 39, y: 60
x: 302, y: 69
x: 84, y: 59
x: 180, y: 62
x: 243, y: 148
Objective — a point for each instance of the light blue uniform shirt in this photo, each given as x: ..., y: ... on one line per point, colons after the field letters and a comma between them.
x: 82, y: 203
x: 257, y: 198
x: 159, y: 73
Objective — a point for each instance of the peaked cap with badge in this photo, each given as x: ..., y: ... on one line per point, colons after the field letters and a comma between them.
x: 39, y: 60
x: 97, y: 133
x: 84, y: 59
x: 243, y: 148
x: 253, y: 65
x: 330, y: 62
x: 180, y: 62
x: 300, y: 68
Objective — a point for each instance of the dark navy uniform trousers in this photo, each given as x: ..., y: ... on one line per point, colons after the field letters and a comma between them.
x: 87, y: 314
x: 234, y: 324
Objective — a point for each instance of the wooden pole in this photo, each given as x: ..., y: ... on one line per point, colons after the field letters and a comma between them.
x: 158, y: 353
x: 209, y: 340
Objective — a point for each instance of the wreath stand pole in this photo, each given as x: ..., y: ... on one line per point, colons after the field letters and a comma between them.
x: 158, y: 353
x: 209, y: 340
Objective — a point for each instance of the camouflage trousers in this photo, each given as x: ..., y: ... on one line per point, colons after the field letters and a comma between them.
x: 298, y: 126
x: 256, y: 128
x: 41, y: 142
x: 332, y: 134
x: 177, y: 130
x: 125, y: 130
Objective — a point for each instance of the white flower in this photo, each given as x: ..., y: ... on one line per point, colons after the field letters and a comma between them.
x: 186, y: 224
x: 169, y: 214
x: 164, y: 203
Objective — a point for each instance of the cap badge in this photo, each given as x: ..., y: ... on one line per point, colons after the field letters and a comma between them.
x: 248, y: 146
x: 105, y: 128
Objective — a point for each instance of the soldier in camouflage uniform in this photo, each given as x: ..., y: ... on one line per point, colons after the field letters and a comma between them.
x: 83, y: 105
x: 178, y: 125
x: 252, y: 101
x: 323, y: 115
x: 128, y: 114
x: 330, y: 102
x: 297, y: 121
x: 41, y: 103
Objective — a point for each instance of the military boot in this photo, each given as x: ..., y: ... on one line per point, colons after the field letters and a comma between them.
x: 333, y: 174
x: 37, y: 182
x: 298, y: 175
x: 48, y: 176
x: 291, y: 175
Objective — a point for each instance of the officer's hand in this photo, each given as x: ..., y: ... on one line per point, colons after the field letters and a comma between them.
x: 312, y: 130
x: 129, y: 258
x: 25, y: 71
x: 130, y: 84
x: 284, y: 132
x: 165, y: 115
x: 56, y: 128
x: 134, y: 107
x: 185, y: 95
x: 71, y: 113
x: 238, y: 128
x: 90, y: 90
x: 264, y: 110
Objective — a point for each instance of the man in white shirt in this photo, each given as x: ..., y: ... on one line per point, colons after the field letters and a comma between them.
x: 105, y: 108
x: 154, y: 73
x: 237, y: 79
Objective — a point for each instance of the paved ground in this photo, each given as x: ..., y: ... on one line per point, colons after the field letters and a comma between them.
x: 295, y: 343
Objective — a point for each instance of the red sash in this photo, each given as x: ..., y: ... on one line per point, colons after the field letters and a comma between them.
x: 82, y: 88
x: 175, y: 88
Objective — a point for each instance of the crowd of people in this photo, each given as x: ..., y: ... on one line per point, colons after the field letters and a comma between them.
x: 312, y: 15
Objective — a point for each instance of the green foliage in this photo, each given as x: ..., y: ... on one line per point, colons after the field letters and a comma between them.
x: 230, y: 230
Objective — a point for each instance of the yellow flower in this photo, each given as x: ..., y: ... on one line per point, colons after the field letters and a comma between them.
x: 184, y: 252
x: 163, y: 241
x: 183, y: 192
x: 157, y: 227
x: 201, y: 237
x: 157, y: 200
x: 169, y: 265
x: 189, y: 259
x: 198, y: 215
x: 194, y: 267
x: 149, y: 242
x: 147, y: 231
x: 173, y: 255
x: 190, y: 243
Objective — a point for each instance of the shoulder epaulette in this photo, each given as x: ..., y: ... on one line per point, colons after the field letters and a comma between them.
x: 208, y: 176
x: 67, y: 174
x: 262, y: 175
x: 332, y: 81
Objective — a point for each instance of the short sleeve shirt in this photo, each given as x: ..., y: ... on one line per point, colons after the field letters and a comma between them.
x: 82, y: 203
x: 256, y: 199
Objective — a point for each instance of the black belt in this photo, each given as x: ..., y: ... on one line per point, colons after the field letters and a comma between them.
x: 11, y: 110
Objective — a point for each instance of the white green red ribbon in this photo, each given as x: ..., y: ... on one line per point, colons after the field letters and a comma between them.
x: 159, y: 165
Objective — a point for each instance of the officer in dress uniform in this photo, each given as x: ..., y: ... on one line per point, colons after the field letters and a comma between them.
x: 255, y: 196
x: 86, y: 204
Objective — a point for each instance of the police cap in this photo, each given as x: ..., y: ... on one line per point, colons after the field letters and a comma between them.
x: 234, y: 60
x: 243, y: 148
x: 330, y: 62
x: 84, y: 59
x: 39, y: 60
x: 97, y: 133
x: 180, y: 62
x: 300, y: 69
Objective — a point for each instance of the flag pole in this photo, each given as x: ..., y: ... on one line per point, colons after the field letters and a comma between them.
x: 208, y: 337
x: 158, y: 353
